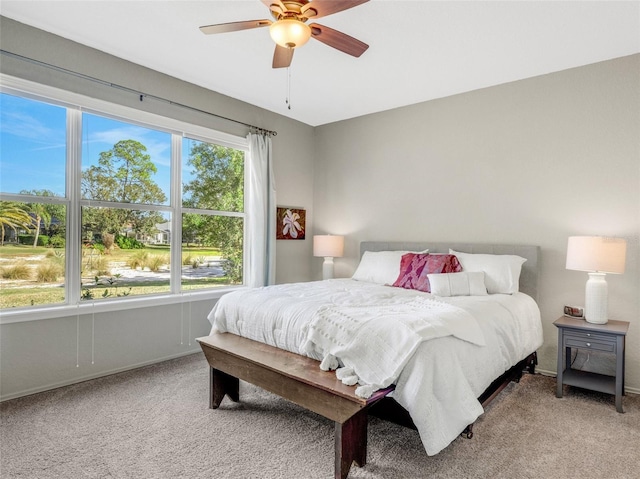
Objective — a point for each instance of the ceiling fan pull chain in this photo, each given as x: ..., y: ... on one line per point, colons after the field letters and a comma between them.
x: 288, y: 100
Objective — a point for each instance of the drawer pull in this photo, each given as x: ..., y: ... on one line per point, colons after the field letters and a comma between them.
x: 589, y: 345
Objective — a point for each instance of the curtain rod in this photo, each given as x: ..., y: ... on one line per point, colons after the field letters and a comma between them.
x: 140, y: 94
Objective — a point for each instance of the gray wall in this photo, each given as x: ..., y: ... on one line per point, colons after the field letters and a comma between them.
x: 533, y: 161
x: 37, y: 355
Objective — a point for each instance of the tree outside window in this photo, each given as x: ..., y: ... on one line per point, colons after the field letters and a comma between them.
x: 126, y: 221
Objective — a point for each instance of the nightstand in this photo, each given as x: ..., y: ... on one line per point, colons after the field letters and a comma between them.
x: 578, y: 333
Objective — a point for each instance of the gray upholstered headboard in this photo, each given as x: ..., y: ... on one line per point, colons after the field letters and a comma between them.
x: 530, y: 268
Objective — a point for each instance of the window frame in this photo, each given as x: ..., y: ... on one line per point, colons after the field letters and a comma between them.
x: 76, y: 105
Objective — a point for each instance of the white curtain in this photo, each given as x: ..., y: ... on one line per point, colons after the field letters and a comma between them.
x: 261, y: 213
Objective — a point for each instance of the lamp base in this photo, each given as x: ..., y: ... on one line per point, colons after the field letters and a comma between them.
x: 596, y: 292
x: 327, y: 268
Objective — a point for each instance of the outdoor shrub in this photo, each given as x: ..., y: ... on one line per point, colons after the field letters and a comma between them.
x: 91, y: 257
x: 55, y: 253
x: 155, y: 262
x: 19, y: 270
x: 58, y: 259
x: 124, y: 242
x: 101, y: 266
x: 187, y: 259
x: 108, y: 240
x: 99, y: 248
x: 138, y: 260
x: 86, y: 294
x: 43, y: 240
x: 57, y: 241
x: 232, y: 265
x: 49, y: 272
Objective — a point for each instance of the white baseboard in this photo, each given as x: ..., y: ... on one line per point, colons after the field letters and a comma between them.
x: 60, y: 384
x: 555, y: 373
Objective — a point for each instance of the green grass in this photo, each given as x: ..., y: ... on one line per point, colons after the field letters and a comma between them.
x: 38, y: 295
x: 18, y: 297
x: 21, y: 250
x: 93, y: 264
x: 17, y: 250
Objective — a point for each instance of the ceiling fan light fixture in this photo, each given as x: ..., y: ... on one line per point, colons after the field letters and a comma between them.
x: 290, y: 33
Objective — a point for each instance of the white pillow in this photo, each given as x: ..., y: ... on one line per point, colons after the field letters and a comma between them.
x: 501, y: 271
x: 458, y: 284
x: 380, y: 267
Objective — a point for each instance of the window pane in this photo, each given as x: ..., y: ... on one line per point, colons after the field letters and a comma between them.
x: 32, y: 259
x: 212, y: 176
x: 124, y: 163
x: 211, y: 251
x: 32, y: 141
x: 124, y: 252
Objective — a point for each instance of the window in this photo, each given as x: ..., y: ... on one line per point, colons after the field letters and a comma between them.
x: 101, y: 203
x: 125, y: 243
x: 212, y: 202
x: 33, y: 211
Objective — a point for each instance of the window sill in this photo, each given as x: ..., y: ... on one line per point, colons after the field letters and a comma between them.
x: 9, y: 316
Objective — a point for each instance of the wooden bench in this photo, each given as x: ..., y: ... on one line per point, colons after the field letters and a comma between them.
x: 296, y: 378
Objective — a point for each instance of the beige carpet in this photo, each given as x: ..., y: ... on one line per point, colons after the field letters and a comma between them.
x: 155, y: 423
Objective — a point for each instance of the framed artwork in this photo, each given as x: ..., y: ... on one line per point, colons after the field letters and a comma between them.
x: 290, y: 223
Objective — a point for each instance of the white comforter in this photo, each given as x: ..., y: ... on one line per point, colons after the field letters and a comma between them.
x: 439, y: 382
x: 372, y: 344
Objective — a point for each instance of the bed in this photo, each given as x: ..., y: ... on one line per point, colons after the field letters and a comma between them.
x: 437, y: 381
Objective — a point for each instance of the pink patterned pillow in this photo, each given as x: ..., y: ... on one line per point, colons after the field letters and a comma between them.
x: 414, y: 268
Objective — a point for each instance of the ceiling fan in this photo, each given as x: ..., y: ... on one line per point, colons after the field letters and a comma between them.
x: 290, y: 29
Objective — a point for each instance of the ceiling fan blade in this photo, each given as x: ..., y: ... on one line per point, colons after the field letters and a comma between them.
x: 275, y: 6
x: 322, y: 8
x: 338, y: 40
x: 234, y: 26
x: 282, y: 57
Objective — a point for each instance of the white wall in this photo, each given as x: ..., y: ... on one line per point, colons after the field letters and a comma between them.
x: 37, y: 355
x: 532, y: 162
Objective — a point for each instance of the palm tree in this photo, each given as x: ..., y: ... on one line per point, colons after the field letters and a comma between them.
x: 41, y: 215
x: 40, y: 211
x: 14, y: 216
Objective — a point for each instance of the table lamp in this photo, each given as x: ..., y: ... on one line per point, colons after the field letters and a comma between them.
x: 598, y: 256
x: 329, y: 247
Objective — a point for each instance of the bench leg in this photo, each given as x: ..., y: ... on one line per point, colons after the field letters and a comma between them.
x: 222, y: 384
x: 351, y: 443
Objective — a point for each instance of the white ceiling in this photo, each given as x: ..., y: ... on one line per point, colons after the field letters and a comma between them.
x: 419, y: 50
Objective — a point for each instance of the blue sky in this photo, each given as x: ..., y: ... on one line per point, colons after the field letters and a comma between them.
x: 32, y: 145
x: 33, y: 150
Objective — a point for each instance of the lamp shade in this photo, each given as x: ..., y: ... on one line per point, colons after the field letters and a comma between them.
x: 596, y: 254
x: 290, y: 33
x: 328, y: 246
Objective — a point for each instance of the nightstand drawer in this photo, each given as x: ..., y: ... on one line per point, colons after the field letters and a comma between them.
x: 571, y: 341
x: 589, y: 336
